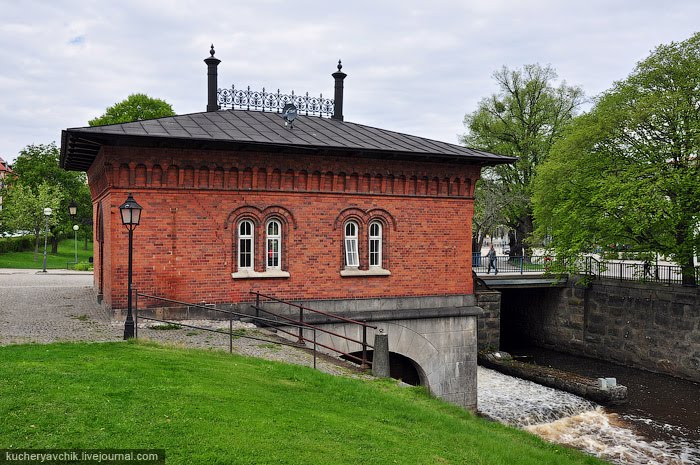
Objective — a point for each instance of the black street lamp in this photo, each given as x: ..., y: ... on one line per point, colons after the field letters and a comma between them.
x: 73, y: 209
x: 131, y: 216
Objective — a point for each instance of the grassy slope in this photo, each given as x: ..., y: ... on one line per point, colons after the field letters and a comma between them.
x: 209, y: 407
x: 66, y: 253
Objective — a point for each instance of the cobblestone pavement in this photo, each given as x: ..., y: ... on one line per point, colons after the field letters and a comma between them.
x: 38, y: 307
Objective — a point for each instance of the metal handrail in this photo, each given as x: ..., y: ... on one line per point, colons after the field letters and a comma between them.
x: 320, y: 312
x: 230, y: 331
x: 364, y: 362
x: 615, y: 269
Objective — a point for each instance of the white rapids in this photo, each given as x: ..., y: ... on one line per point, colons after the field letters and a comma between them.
x: 567, y: 419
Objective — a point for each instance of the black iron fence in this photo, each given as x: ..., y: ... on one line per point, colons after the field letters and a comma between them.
x: 506, y: 264
x: 611, y: 269
x: 230, y: 316
x: 247, y: 99
x: 634, y: 271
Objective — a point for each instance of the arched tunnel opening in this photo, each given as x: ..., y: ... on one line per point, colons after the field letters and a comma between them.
x: 400, y: 367
x: 524, y: 314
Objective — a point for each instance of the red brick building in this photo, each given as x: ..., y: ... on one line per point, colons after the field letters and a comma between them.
x: 240, y: 200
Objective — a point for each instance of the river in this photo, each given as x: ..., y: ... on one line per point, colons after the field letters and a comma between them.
x: 660, y: 424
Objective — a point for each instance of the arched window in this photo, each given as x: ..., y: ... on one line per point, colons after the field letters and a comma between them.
x: 245, y: 245
x: 273, y: 245
x: 351, y: 255
x: 375, y: 244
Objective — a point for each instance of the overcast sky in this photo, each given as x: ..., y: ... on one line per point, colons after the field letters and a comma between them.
x: 413, y: 66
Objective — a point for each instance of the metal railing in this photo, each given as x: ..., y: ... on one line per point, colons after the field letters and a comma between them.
x: 633, y: 271
x: 611, y: 269
x: 508, y: 264
x: 231, y: 315
x: 301, y: 324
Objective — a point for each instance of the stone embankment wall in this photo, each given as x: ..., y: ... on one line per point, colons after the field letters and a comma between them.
x: 650, y: 326
x: 489, y: 323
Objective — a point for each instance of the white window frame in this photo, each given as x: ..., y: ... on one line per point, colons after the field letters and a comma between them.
x: 352, y: 255
x: 377, y: 239
x: 246, y: 237
x: 271, y: 239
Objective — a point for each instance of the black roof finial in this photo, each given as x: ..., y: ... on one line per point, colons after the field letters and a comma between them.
x: 211, y: 52
x: 339, y: 76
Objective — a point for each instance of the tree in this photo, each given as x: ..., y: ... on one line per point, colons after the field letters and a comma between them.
x: 488, y: 212
x: 38, y: 165
x: 628, y: 171
x: 523, y: 120
x: 136, y: 107
x: 24, y: 209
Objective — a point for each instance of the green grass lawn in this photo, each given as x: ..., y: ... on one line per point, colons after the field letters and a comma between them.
x: 66, y: 253
x: 206, y: 407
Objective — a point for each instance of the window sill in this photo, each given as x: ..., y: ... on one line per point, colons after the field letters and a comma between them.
x: 251, y: 274
x: 350, y: 272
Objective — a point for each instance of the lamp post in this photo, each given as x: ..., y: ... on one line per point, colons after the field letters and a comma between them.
x: 73, y: 210
x: 131, y: 216
x: 47, y: 213
x: 75, y: 230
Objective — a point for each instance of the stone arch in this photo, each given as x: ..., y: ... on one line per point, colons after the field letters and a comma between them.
x: 246, y: 211
x: 383, y: 216
x: 402, y: 340
x: 279, y: 212
x: 347, y: 214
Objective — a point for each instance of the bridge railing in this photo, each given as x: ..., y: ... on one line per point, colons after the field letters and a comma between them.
x: 612, y: 269
x: 507, y: 264
x: 634, y: 271
x: 283, y: 320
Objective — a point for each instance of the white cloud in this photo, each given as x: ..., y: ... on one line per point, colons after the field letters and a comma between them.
x: 413, y: 66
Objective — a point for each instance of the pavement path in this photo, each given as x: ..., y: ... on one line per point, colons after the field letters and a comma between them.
x: 59, y: 305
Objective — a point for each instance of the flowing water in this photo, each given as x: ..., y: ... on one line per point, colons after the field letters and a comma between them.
x: 630, y: 434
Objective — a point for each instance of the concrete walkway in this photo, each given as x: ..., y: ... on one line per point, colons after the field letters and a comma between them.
x: 61, y: 305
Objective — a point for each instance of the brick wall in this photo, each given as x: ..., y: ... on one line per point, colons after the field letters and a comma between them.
x: 184, y: 248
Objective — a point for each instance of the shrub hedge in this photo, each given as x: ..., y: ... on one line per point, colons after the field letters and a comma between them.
x: 16, y: 244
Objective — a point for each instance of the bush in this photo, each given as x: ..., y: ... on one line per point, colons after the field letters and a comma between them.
x: 16, y: 244
x: 82, y: 266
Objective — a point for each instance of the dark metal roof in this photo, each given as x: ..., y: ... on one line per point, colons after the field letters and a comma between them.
x: 240, y: 129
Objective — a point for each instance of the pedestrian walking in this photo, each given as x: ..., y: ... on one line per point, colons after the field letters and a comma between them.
x: 491, y: 255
